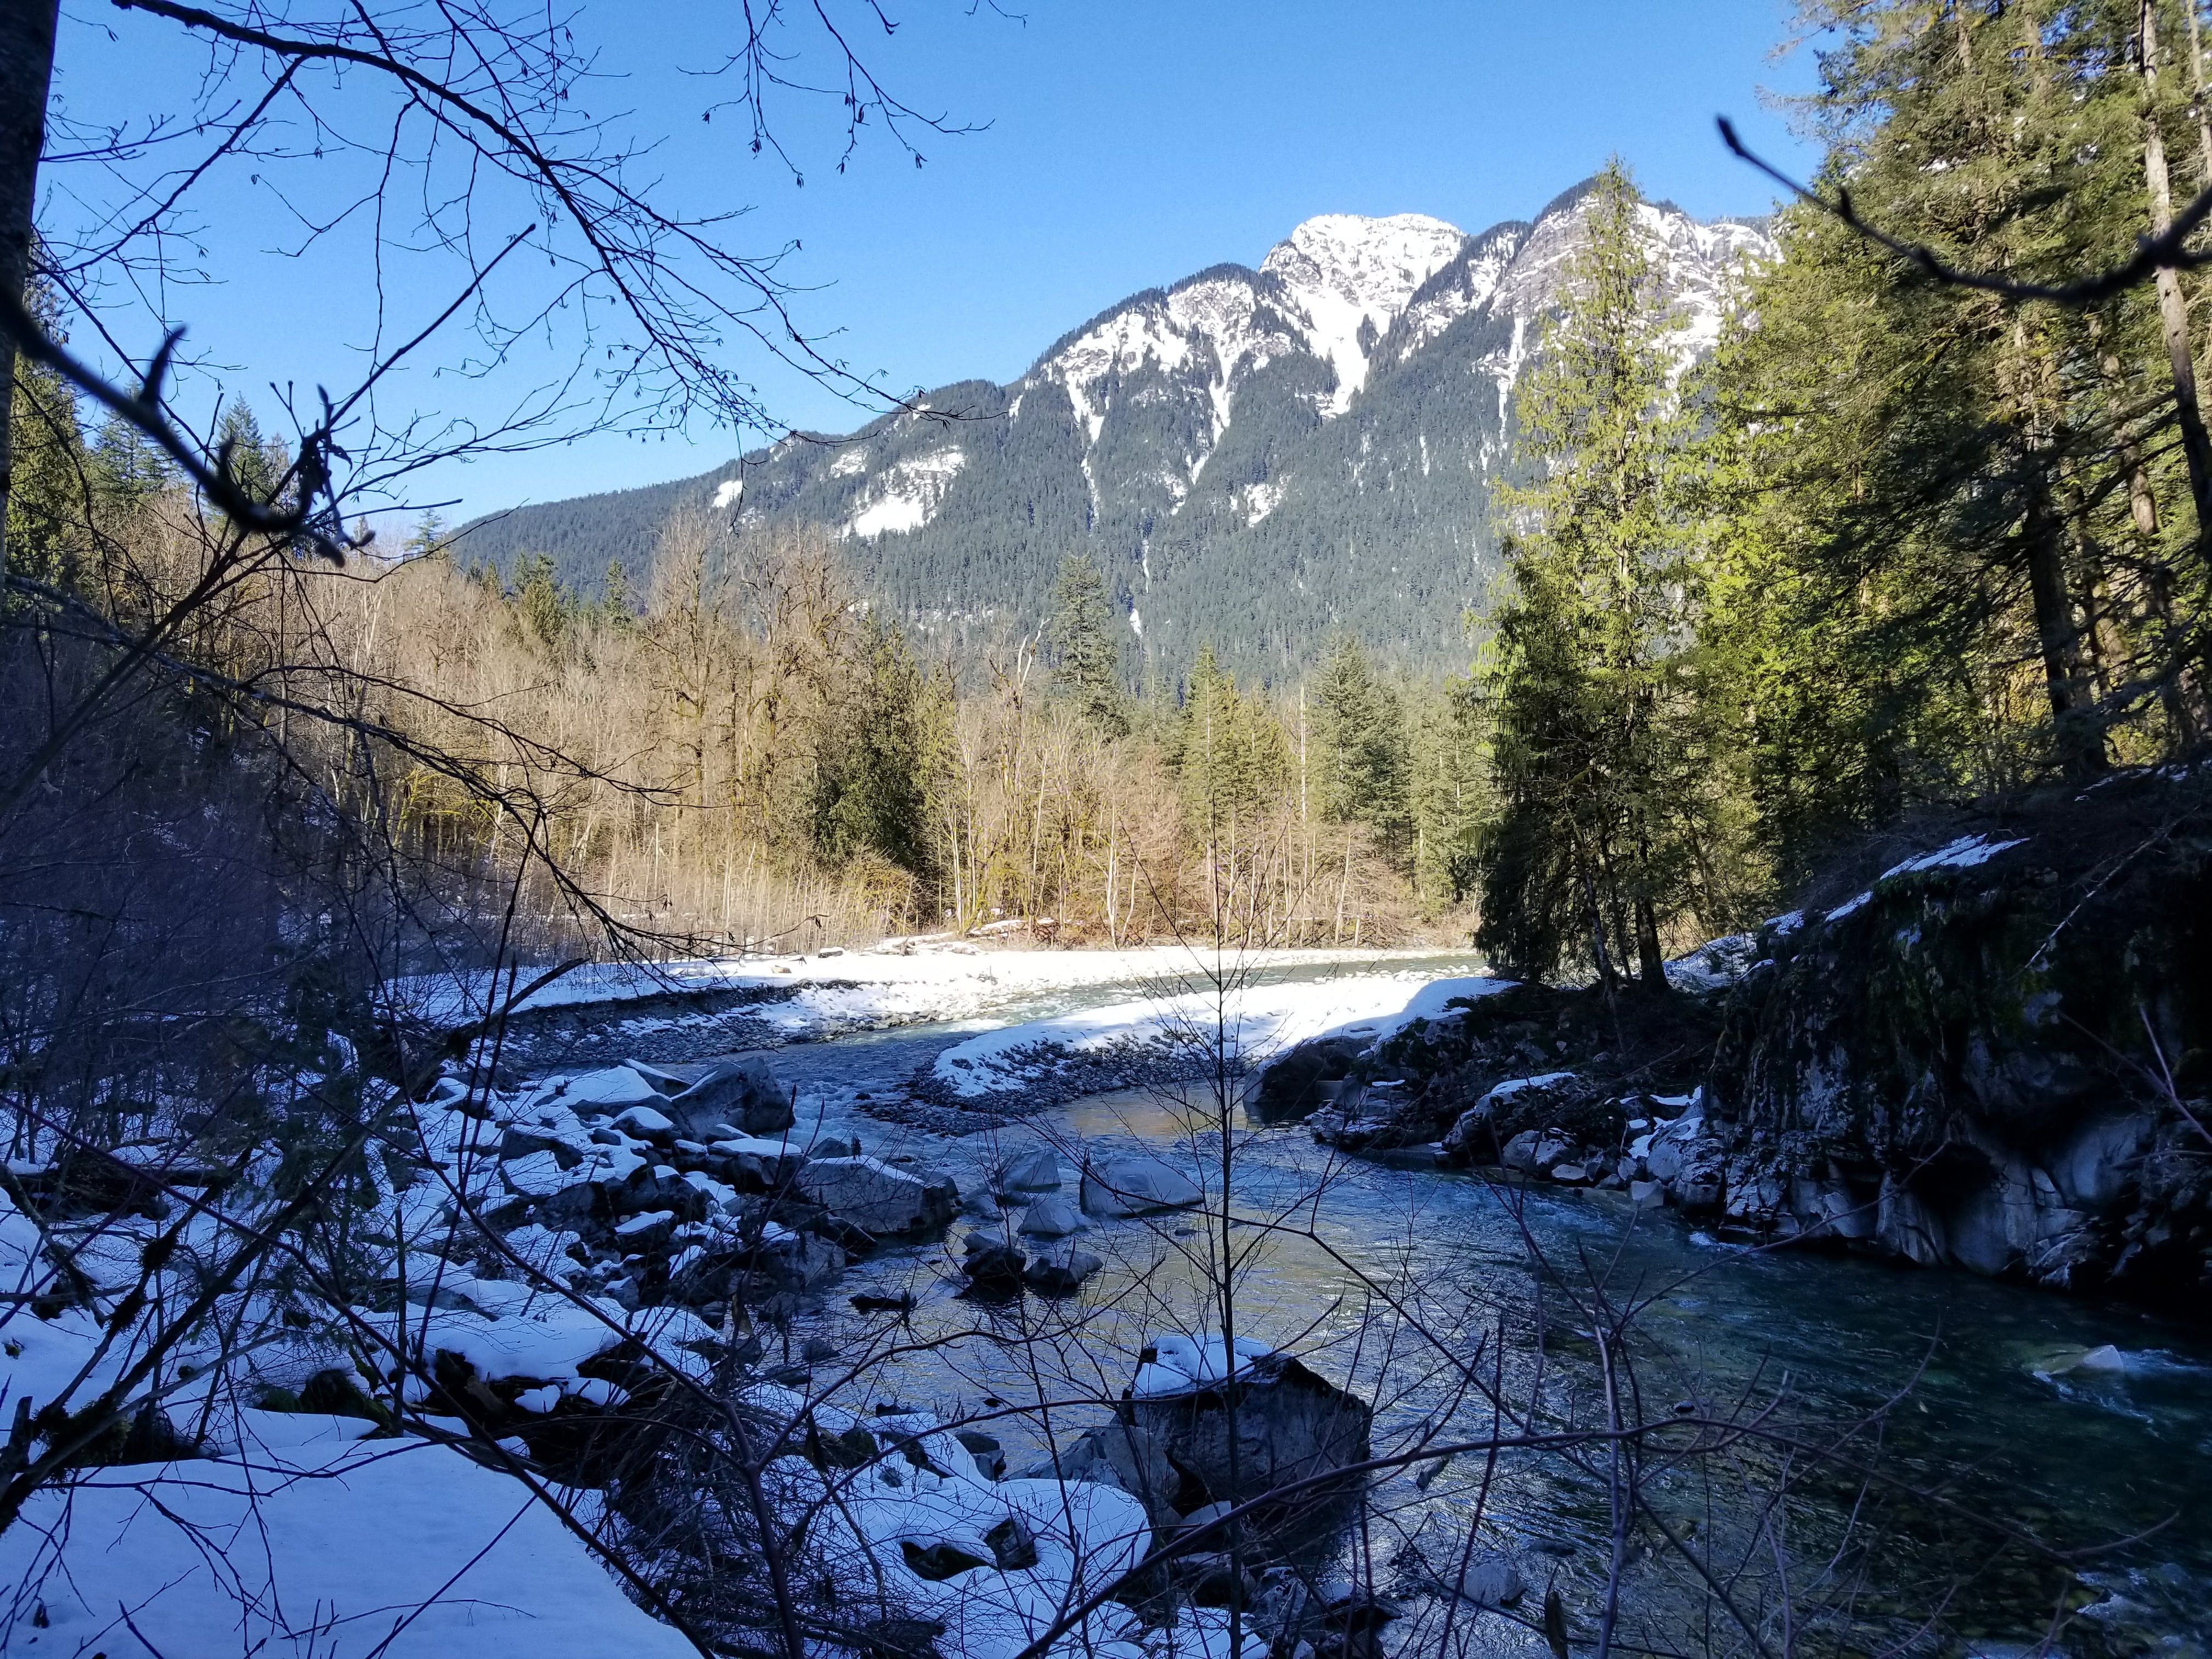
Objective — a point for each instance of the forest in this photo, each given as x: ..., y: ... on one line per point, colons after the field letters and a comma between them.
x: 1895, y: 542
x: 459, y: 1022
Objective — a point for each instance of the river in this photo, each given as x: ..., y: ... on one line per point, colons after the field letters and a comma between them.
x: 1991, y: 1414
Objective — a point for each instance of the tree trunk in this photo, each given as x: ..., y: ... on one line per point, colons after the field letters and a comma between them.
x: 26, y: 69
x: 2172, y: 307
x: 2080, y: 746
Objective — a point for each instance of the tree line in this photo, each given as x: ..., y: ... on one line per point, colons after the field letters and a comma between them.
x: 1904, y: 540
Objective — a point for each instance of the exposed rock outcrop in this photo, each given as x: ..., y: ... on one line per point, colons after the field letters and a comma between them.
x: 1989, y: 1056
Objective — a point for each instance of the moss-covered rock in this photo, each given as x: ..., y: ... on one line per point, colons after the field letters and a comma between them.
x: 1986, y: 1057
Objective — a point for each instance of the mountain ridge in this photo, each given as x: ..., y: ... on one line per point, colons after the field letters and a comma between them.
x: 1258, y: 458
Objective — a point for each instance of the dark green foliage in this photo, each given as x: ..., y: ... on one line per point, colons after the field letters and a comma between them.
x: 870, y: 791
x: 1956, y: 547
x: 1083, y: 635
x: 545, y: 604
x: 1228, y: 749
x: 1595, y: 755
x: 1359, y: 733
x: 258, y: 462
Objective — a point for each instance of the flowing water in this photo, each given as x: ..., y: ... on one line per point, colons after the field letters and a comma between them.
x: 1996, y: 1412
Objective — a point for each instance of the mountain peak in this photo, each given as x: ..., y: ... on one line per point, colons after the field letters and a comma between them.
x: 1352, y: 276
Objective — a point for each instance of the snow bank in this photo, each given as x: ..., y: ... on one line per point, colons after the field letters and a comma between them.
x: 901, y: 982
x: 311, y: 1541
x: 1255, y: 1022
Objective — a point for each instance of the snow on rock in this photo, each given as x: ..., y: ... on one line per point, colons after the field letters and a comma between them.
x: 1963, y: 854
x: 308, y: 1540
x: 1350, y: 278
x: 1464, y: 285
x: 1713, y: 965
x: 995, y: 1562
x: 1181, y: 1363
x: 1255, y: 1021
x: 1218, y: 328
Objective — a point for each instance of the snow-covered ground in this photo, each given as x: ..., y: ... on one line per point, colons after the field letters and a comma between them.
x: 1251, y: 1022
x: 306, y: 1540
x: 897, y: 983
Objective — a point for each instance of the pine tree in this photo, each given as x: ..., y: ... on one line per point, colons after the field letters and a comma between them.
x: 430, y: 538
x: 871, y: 792
x: 257, y: 463
x: 1593, y: 749
x: 1229, y: 752
x: 1085, y: 642
x: 544, y: 603
x: 1359, y: 734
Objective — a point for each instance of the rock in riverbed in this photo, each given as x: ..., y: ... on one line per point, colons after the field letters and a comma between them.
x: 1125, y: 1184
x: 870, y: 1195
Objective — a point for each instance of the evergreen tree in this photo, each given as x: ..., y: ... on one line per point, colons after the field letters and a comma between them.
x: 258, y: 464
x: 1955, y: 540
x: 1361, y: 761
x: 544, y: 603
x: 1449, y: 795
x: 617, y: 603
x: 1082, y: 635
x: 46, y: 521
x: 1229, y: 752
x: 430, y: 537
x: 872, y: 786
x: 1594, y: 755
x: 128, y: 467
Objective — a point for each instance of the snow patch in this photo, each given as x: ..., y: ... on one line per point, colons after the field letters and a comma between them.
x: 1254, y: 1021
x: 913, y: 490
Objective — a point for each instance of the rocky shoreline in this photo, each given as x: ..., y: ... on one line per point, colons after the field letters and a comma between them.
x: 1993, y: 1055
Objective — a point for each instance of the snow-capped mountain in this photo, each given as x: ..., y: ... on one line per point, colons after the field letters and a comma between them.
x: 1256, y: 457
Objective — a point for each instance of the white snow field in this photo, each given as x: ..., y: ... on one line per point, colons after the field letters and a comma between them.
x: 899, y: 983
x: 1252, y: 1022
x: 308, y: 1542
x: 295, y: 1538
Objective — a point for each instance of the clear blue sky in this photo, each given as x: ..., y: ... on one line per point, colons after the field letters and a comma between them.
x: 1129, y: 142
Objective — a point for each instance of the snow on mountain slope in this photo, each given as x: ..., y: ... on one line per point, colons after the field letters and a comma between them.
x: 1350, y: 277
x: 1259, y: 457
x: 1464, y: 285
x: 913, y: 489
x: 1215, y: 330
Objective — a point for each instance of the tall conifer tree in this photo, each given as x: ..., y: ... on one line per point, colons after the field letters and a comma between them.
x: 1593, y: 746
x: 1086, y: 650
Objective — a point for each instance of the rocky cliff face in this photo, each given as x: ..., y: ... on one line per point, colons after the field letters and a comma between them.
x: 1993, y: 1055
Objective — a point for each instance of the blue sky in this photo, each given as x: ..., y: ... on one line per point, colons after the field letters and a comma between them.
x: 1128, y: 142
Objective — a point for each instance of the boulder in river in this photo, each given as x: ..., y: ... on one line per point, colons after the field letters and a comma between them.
x: 1049, y: 1218
x: 1036, y: 1170
x: 740, y: 1090
x: 993, y: 1264
x: 870, y: 1195
x: 1131, y: 1183
x: 1061, y: 1271
x: 1290, y: 1424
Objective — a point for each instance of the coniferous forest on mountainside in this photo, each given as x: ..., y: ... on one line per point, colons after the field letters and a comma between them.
x: 1078, y: 1022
